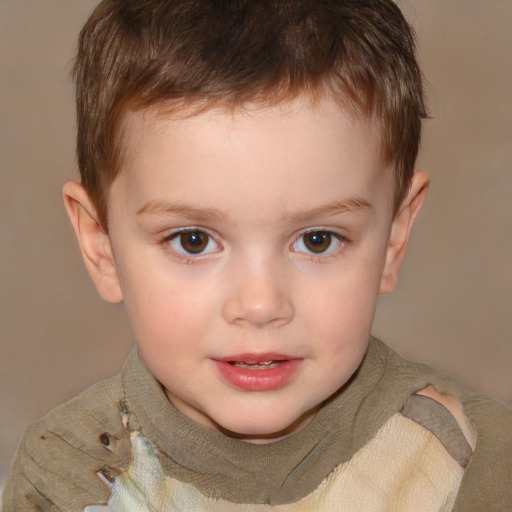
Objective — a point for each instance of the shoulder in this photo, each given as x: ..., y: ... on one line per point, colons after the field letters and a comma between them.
x: 401, y: 378
x: 60, y: 454
x: 79, y: 423
x: 487, y: 481
x: 485, y: 422
x: 443, y: 416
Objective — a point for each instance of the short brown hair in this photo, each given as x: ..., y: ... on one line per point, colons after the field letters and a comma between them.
x: 135, y: 54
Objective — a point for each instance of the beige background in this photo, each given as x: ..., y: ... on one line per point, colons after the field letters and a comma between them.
x: 452, y: 307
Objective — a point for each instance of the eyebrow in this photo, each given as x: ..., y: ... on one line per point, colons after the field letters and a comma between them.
x: 350, y: 205
x: 180, y: 209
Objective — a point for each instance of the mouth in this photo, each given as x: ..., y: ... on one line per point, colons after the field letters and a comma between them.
x: 264, y: 372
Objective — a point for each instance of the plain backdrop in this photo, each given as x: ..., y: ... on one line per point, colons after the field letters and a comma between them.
x: 452, y: 308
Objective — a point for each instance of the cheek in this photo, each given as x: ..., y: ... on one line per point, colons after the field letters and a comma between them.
x: 350, y: 291
x: 155, y: 312
x: 342, y: 308
x: 167, y: 307
x: 167, y: 329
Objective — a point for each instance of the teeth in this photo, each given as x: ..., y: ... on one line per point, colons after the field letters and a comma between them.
x: 261, y: 365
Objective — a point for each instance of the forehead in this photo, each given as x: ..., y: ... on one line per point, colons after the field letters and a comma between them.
x: 252, y: 150
x: 320, y: 110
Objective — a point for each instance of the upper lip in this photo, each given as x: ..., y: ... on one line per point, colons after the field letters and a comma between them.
x: 252, y: 358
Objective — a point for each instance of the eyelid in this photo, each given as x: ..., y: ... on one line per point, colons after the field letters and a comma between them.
x: 341, y: 239
x: 188, y: 229
x: 189, y: 257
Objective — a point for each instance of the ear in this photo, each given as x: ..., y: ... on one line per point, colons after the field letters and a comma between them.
x: 93, y: 240
x: 401, y: 231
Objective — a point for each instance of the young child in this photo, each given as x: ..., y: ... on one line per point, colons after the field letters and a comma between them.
x: 248, y: 190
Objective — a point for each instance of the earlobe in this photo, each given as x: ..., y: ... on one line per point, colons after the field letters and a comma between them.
x: 401, y: 231
x: 93, y: 240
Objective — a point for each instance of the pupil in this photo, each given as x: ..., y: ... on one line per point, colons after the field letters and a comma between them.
x: 194, y: 242
x: 318, y: 242
x: 194, y: 239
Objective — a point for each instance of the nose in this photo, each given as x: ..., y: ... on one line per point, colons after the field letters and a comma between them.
x: 258, y: 296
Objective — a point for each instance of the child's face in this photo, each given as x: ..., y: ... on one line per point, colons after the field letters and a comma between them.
x: 254, y: 237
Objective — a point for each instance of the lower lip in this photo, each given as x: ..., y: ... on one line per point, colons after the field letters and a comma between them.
x: 258, y: 380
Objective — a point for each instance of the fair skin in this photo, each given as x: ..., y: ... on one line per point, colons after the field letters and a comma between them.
x: 249, y: 248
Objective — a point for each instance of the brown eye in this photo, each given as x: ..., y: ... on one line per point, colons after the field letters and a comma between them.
x: 194, y: 242
x: 317, y: 241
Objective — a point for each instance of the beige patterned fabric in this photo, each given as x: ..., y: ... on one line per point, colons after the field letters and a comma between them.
x: 423, y: 478
x: 359, y: 452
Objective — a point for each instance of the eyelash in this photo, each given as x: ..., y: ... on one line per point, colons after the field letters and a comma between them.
x: 329, y: 252
x: 190, y: 257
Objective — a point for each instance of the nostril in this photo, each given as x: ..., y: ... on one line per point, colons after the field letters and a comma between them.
x: 258, y: 315
x: 257, y: 296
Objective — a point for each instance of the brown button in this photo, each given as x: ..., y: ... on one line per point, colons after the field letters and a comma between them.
x: 104, y: 438
x: 108, y: 473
